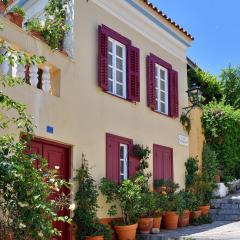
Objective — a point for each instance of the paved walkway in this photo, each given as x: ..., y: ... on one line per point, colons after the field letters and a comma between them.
x: 214, y: 231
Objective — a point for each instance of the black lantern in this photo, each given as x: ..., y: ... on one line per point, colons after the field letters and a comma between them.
x: 194, y: 95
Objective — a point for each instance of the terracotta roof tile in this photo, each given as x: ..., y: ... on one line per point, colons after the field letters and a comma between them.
x: 168, y: 19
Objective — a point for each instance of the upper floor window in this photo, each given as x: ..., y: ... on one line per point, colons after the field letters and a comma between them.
x: 161, y: 89
x: 116, y: 68
x: 118, y: 65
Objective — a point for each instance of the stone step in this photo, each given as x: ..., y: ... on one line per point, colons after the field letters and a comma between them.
x: 226, y: 217
x: 227, y: 211
x: 226, y: 204
x: 225, y: 200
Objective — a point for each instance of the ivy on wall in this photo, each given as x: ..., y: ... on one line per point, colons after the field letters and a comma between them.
x: 221, y: 124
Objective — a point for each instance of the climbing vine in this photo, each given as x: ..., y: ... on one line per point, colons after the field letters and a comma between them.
x: 221, y: 124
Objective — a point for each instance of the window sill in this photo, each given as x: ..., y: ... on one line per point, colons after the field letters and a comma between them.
x: 122, y: 98
x: 163, y: 114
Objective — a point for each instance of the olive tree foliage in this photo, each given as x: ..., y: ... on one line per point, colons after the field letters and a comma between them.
x: 26, y: 210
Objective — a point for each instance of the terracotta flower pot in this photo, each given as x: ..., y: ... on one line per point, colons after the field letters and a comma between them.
x: 183, y: 220
x: 217, y: 178
x: 145, y: 225
x: 9, y: 236
x: 15, y: 18
x: 195, y: 214
x: 3, y: 7
x: 157, y: 222
x: 126, y: 232
x: 37, y: 34
x: 170, y: 220
x: 204, y: 209
x: 95, y: 238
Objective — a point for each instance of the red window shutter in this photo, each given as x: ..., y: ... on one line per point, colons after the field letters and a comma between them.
x: 102, y: 59
x: 133, y: 74
x: 133, y: 162
x: 151, y: 83
x: 162, y: 162
x: 173, y: 94
x: 112, y: 159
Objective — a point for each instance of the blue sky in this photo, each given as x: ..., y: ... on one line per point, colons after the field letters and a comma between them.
x: 215, y: 25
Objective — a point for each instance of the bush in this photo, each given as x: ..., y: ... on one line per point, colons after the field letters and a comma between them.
x: 221, y: 126
x: 127, y: 195
x: 85, y: 215
x: 191, y: 171
x: 210, y: 166
x: 24, y: 190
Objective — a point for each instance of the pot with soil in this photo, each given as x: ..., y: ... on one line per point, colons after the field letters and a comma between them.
x: 170, y: 220
x: 183, y: 220
x: 16, y: 15
x: 145, y: 225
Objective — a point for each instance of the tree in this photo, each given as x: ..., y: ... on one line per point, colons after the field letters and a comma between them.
x: 230, y: 84
x: 208, y: 83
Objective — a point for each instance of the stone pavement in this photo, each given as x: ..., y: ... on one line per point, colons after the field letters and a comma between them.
x: 219, y: 230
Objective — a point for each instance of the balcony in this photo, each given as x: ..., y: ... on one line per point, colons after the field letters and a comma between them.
x: 45, y: 77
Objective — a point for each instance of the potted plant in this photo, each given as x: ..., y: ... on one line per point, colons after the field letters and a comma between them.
x: 174, y: 203
x: 185, y: 216
x: 16, y: 15
x: 192, y: 201
x: 159, y: 209
x: 85, y: 218
x: 3, y: 5
x: 203, y: 189
x: 35, y: 27
x: 148, y: 206
x: 127, y: 195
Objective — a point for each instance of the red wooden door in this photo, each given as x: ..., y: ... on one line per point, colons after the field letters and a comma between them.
x: 57, y: 155
x: 162, y: 162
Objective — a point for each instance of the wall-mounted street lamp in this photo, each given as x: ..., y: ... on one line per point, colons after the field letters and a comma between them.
x: 195, y: 98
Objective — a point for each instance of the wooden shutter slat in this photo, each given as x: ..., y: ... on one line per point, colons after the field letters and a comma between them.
x: 173, y: 94
x: 133, y: 74
x: 102, y: 59
x: 151, y: 83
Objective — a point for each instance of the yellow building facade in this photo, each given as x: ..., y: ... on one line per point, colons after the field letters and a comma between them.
x: 79, y: 114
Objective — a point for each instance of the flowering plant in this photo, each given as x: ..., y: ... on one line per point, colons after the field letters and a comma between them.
x: 25, y: 192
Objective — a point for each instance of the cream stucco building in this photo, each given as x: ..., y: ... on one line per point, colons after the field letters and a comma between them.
x: 82, y: 116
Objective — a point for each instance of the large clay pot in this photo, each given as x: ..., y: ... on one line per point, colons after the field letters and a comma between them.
x: 157, y: 222
x: 95, y: 238
x: 170, y: 220
x: 183, y: 220
x: 204, y: 209
x: 195, y: 214
x: 15, y: 18
x: 126, y: 232
x: 145, y: 225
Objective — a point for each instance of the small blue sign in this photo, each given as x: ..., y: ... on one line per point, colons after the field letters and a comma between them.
x: 50, y: 129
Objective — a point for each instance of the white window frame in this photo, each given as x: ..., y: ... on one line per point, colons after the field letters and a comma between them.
x: 158, y: 90
x: 123, y: 174
x: 115, y: 69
